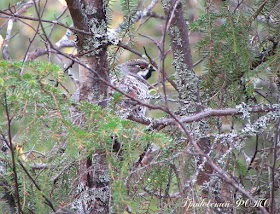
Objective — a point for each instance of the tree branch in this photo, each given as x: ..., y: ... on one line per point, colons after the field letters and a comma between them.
x: 15, y: 16
x: 9, y: 143
x: 222, y: 173
x: 155, y: 123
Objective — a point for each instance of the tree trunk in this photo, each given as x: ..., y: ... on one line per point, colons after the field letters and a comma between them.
x: 188, y: 84
x: 93, y: 192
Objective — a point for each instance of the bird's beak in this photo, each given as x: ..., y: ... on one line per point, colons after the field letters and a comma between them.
x: 152, y: 69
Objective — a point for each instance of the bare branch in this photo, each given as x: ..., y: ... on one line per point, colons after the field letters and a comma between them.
x: 10, y: 24
x: 223, y: 174
x: 9, y: 143
x: 7, y: 39
x: 48, y: 202
x: 15, y: 16
x: 62, y: 43
x: 155, y: 123
x: 140, y: 14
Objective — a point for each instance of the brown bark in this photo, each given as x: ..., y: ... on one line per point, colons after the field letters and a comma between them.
x: 188, y: 83
x: 90, y: 16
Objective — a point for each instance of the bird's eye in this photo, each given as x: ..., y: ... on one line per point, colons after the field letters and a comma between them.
x: 142, y: 66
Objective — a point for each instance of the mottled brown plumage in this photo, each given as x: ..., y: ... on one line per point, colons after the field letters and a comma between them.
x: 133, y: 82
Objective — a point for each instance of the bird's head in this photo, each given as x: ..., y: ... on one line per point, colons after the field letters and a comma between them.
x: 138, y: 67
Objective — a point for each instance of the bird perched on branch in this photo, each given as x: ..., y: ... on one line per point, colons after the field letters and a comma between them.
x: 133, y: 81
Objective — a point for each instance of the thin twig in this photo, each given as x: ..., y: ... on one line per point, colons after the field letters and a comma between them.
x: 48, y: 202
x: 9, y: 143
x: 222, y: 174
x: 45, y: 20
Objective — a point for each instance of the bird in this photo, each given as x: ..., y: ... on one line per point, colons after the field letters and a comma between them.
x: 132, y: 81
